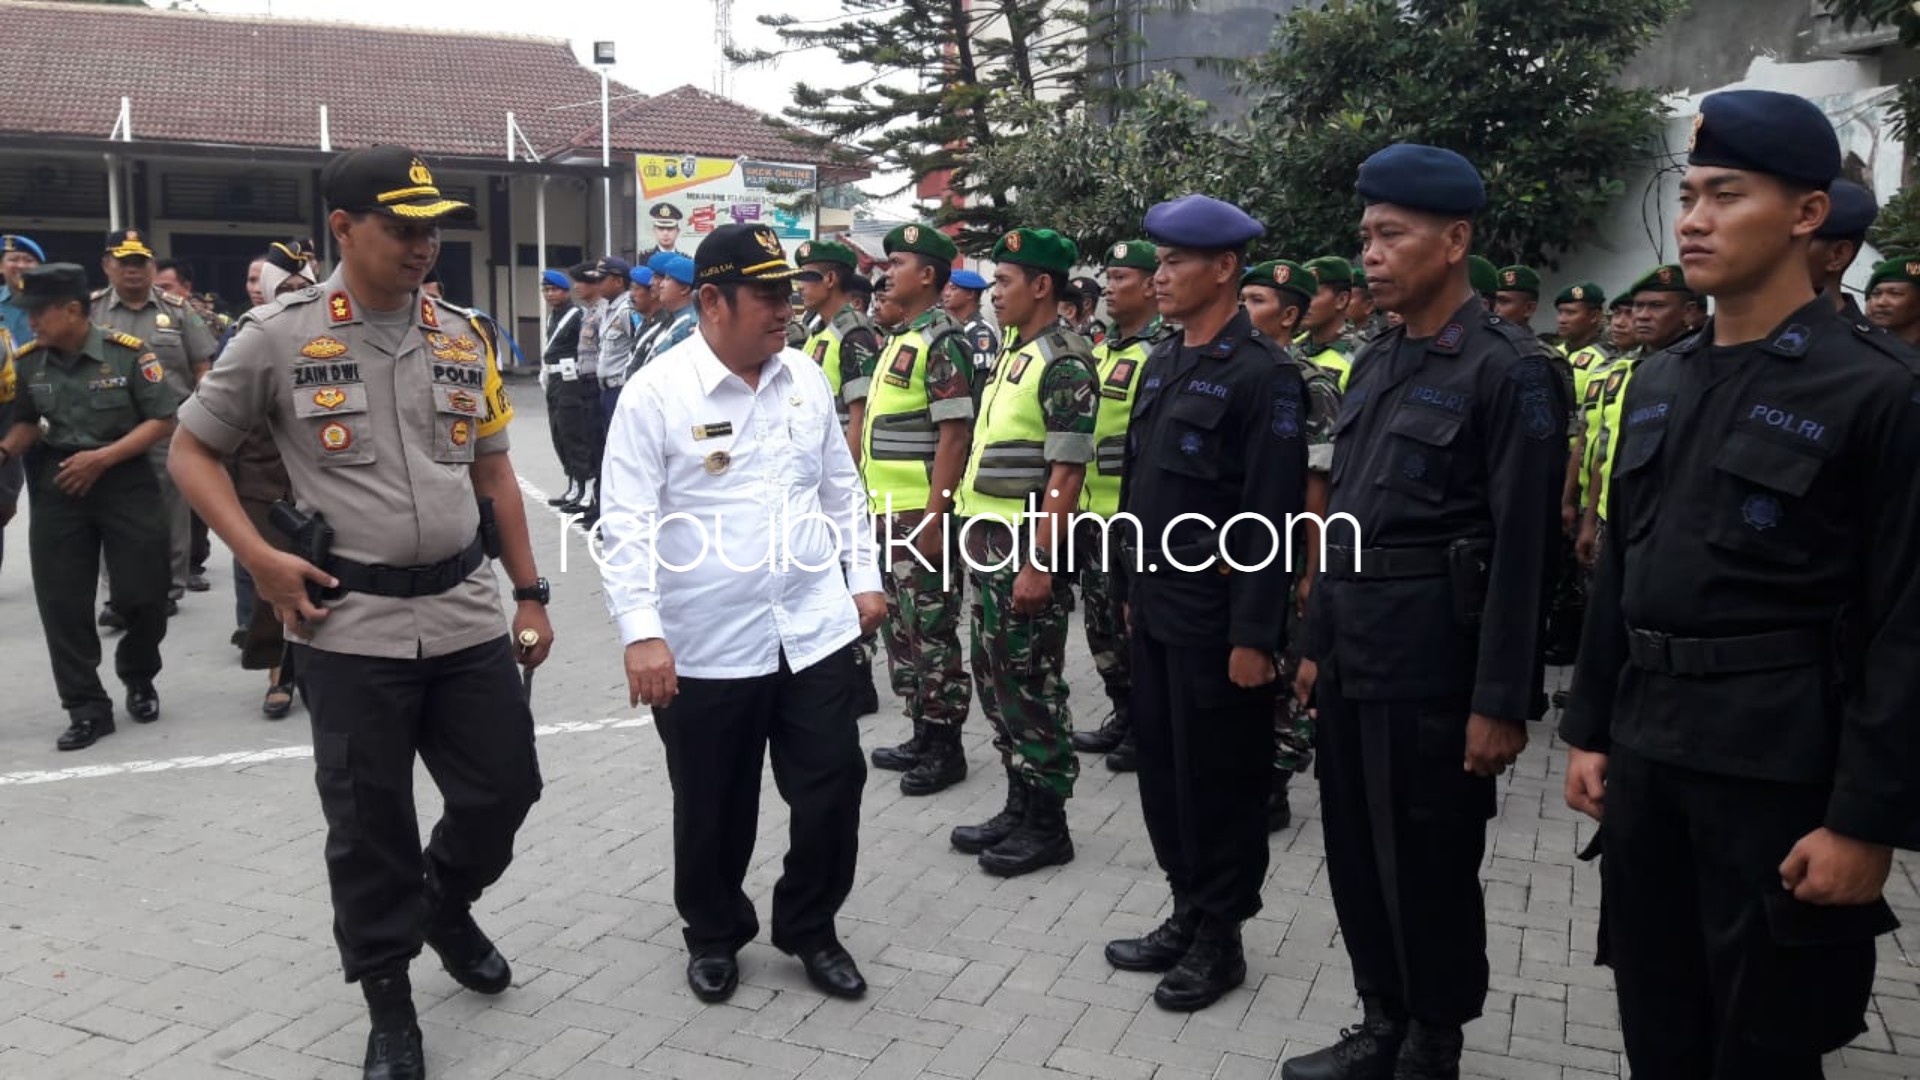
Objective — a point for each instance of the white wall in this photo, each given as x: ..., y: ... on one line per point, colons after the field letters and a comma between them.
x: 1637, y: 234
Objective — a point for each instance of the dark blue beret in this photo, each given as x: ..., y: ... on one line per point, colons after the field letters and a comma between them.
x: 1852, y: 213
x: 1422, y: 178
x: 640, y: 275
x: 967, y: 279
x: 1765, y: 131
x: 1201, y: 223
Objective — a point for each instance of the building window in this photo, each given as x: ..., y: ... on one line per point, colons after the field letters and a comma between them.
x: 256, y: 197
x: 52, y: 188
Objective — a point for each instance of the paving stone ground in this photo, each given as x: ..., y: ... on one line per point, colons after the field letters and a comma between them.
x: 163, y: 907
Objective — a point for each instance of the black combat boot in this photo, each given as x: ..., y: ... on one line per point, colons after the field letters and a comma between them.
x: 1040, y: 840
x: 974, y: 839
x: 1124, y: 757
x: 1279, y: 811
x: 942, y: 764
x: 1109, y: 734
x: 1430, y: 1052
x: 1161, y: 948
x: 1213, y: 965
x: 567, y: 496
x: 393, y: 1039
x: 904, y: 756
x: 1365, y: 1052
x: 464, y: 948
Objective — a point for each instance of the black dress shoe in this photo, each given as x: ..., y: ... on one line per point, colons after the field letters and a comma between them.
x: 111, y: 619
x: 713, y: 976
x: 84, y: 732
x: 197, y: 582
x: 469, y: 957
x: 1125, y: 757
x: 833, y: 971
x: 143, y: 702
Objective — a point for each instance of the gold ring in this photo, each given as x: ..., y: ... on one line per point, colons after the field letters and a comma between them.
x: 529, y: 638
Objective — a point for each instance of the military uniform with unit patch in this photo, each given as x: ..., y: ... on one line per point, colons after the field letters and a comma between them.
x: 921, y: 380
x: 90, y: 398
x: 1037, y: 414
x: 176, y: 334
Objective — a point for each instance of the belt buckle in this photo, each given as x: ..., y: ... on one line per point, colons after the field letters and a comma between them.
x: 1659, y: 641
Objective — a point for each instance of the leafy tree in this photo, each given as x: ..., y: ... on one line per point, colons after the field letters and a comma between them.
x: 1896, y: 232
x: 1524, y: 88
x: 1904, y: 17
x: 936, y: 67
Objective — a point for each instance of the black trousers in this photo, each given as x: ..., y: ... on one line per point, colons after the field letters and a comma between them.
x: 563, y: 450
x: 582, y: 432
x: 465, y: 714
x: 122, y: 518
x: 717, y: 732
x: 1405, y: 826
x: 1205, y: 751
x: 1721, y: 974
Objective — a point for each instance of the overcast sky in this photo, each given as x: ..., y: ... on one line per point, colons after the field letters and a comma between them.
x: 659, y: 44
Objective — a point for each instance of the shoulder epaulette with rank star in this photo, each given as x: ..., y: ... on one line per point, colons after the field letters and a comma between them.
x: 98, y: 293
x: 168, y: 298
x: 123, y: 340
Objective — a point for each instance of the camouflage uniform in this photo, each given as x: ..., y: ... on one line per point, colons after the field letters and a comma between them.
x: 1292, y: 726
x: 924, y: 663
x: 1018, y: 660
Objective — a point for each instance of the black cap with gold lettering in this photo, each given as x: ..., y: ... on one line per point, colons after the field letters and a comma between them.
x: 389, y: 180
x: 735, y: 253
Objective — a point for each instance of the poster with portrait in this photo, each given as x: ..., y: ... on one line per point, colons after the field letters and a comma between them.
x: 683, y: 197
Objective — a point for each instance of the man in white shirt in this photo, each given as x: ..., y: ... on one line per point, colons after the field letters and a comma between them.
x: 738, y: 559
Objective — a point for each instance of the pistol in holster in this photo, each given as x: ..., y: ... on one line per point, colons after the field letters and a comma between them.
x: 312, y: 540
x: 1469, y: 565
x: 489, y: 528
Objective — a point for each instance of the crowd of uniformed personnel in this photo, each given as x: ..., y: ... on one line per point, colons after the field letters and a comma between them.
x: 1404, y: 390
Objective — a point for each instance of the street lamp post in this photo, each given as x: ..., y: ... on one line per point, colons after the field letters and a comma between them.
x: 603, y: 59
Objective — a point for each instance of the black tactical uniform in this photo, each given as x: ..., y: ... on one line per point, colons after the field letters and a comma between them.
x: 1749, y: 667
x: 1450, y: 455
x: 1217, y: 430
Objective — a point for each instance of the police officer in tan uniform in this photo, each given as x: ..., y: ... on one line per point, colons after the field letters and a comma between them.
x: 389, y: 413
x: 180, y: 338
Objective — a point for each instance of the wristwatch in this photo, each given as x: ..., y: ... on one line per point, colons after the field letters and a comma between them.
x: 539, y: 590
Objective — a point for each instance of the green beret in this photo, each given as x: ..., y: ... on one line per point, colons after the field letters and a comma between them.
x: 1519, y: 279
x: 1584, y: 293
x: 1137, y: 254
x: 921, y: 240
x: 1042, y: 249
x: 1907, y: 270
x: 825, y: 251
x: 1624, y: 300
x: 1668, y: 278
x: 1284, y: 276
x: 1483, y: 274
x: 1332, y: 270
x: 1359, y: 276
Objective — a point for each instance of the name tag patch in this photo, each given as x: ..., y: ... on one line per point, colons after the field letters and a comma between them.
x: 1209, y: 389
x: 1801, y: 427
x: 344, y: 371
x: 713, y: 431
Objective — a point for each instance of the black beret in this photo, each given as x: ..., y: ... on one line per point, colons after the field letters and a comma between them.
x: 1852, y: 212
x: 1417, y: 177
x: 1766, y: 131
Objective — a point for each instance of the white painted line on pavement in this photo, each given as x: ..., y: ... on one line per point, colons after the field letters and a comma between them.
x: 279, y: 753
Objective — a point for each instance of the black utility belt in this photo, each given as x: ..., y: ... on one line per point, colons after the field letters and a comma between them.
x: 1651, y: 650
x: 1387, y: 562
x: 432, y: 579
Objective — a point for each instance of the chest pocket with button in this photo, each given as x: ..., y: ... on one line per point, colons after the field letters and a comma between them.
x: 41, y: 394
x: 1760, y: 506
x: 1191, y: 444
x: 1419, y: 455
x: 1634, y: 502
x: 333, y: 420
x: 112, y: 402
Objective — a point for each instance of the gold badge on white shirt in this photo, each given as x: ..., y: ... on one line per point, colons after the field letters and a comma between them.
x: 717, y: 462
